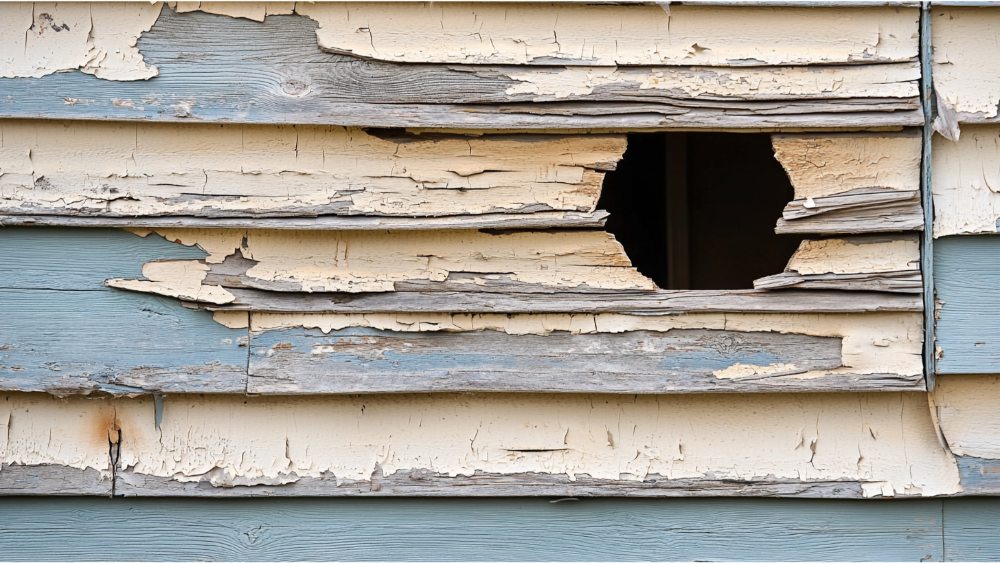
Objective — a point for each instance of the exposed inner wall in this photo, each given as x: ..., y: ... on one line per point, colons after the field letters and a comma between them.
x: 966, y: 181
x: 884, y: 440
x: 872, y: 342
x: 192, y: 169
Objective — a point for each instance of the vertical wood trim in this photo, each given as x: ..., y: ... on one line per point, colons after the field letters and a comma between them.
x: 678, y: 260
x: 927, y: 243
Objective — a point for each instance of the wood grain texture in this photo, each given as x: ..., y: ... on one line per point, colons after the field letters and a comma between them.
x: 979, y: 476
x: 219, y: 69
x: 864, y: 210
x: 479, y: 529
x: 645, y: 302
x: 967, y: 282
x: 52, y: 480
x: 63, y: 332
x: 538, y: 220
x: 971, y: 531
x: 896, y: 282
x: 363, y: 360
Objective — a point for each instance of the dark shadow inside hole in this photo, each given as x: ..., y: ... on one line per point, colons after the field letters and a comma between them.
x: 735, y: 192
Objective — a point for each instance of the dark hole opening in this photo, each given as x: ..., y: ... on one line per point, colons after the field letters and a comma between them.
x: 723, y: 192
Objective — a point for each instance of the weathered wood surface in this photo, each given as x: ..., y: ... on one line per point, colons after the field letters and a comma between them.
x: 498, y: 529
x: 897, y: 282
x: 274, y: 72
x: 962, y: 175
x: 979, y: 476
x: 864, y: 210
x: 965, y: 66
x: 50, y: 480
x: 967, y: 282
x: 536, y: 220
x: 646, y: 302
x: 64, y: 332
x: 363, y: 360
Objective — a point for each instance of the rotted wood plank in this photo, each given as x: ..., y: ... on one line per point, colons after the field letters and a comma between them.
x: 52, y: 480
x: 646, y: 302
x: 538, y: 220
x: 64, y: 332
x: 363, y: 360
x: 509, y: 528
x: 863, y: 210
x: 274, y: 72
x: 897, y: 282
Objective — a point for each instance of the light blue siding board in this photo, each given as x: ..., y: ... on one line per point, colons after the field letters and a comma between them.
x: 62, y: 330
x: 469, y: 530
x: 972, y: 529
x: 979, y: 476
x: 967, y: 281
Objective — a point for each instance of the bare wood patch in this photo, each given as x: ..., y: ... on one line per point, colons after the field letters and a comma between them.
x: 864, y: 210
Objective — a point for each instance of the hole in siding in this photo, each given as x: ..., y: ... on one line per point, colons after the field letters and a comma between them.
x: 735, y: 191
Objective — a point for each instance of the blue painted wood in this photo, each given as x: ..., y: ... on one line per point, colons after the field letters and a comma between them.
x: 469, y: 530
x: 216, y: 68
x: 979, y: 476
x: 967, y: 281
x: 63, y: 331
x: 972, y: 529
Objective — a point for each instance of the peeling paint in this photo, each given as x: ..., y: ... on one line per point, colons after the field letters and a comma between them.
x: 966, y: 181
x: 967, y: 412
x: 966, y: 59
x: 99, y: 38
x: 135, y: 169
x: 825, y: 164
x: 891, y: 253
x: 176, y: 278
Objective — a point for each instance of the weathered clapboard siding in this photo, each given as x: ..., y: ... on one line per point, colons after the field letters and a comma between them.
x: 64, y: 332
x: 147, y: 169
x: 645, y: 302
x: 886, y: 442
x: 499, y: 529
x: 274, y: 72
x: 865, y: 263
x: 965, y: 409
x: 967, y: 283
x: 352, y: 360
x: 53, y: 480
x: 851, y: 183
x: 965, y: 67
x: 966, y: 174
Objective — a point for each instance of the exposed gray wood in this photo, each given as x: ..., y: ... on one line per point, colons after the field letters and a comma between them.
x: 47, y: 480
x: 865, y: 210
x: 429, y: 483
x: 908, y: 281
x: 540, y: 220
x: 362, y: 360
x: 652, y: 302
x: 221, y: 69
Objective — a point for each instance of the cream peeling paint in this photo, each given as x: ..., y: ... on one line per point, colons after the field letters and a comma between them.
x: 885, y: 440
x: 157, y: 169
x: 861, y: 255
x: 537, y: 33
x: 872, y: 342
x: 966, y: 58
x: 967, y: 412
x: 99, y: 38
x: 256, y: 11
x: 827, y: 164
x: 966, y: 181
x: 776, y: 83
x: 358, y: 261
x: 176, y: 278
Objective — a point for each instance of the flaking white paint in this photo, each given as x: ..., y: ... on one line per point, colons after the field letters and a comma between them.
x: 966, y: 58
x: 967, y: 412
x: 860, y: 255
x: 885, y: 440
x: 176, y: 278
x: 966, y: 181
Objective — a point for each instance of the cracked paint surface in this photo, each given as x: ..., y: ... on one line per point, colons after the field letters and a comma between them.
x: 966, y: 58
x: 966, y: 181
x: 848, y: 255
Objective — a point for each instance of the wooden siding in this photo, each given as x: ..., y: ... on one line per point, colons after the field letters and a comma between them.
x: 968, y: 309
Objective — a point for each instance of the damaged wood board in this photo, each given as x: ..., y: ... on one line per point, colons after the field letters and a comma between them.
x: 863, y: 210
x: 603, y: 444
x: 966, y: 278
x: 966, y: 65
x: 965, y: 407
x: 64, y: 332
x: 274, y: 72
x: 965, y: 182
x: 507, y: 528
x: 858, y: 263
x: 100, y: 169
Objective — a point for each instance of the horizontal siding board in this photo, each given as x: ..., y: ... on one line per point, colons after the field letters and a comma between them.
x: 363, y: 360
x: 214, y: 68
x: 979, y: 476
x: 967, y: 282
x: 53, y: 480
x: 972, y: 529
x: 472, y: 529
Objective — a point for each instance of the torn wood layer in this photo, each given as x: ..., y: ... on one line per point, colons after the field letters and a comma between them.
x: 863, y: 210
x: 282, y: 76
x: 884, y: 442
x: 860, y: 263
x: 129, y: 170
x: 966, y: 182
